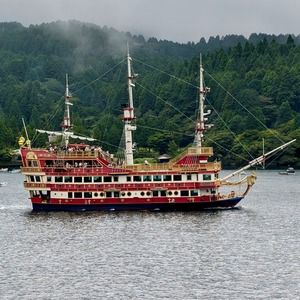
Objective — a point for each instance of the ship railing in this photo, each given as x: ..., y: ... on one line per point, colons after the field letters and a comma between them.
x: 192, y: 151
x: 210, y: 166
x: 133, y: 186
x: 79, y: 154
x: 200, y: 151
x: 31, y: 170
x: 34, y: 185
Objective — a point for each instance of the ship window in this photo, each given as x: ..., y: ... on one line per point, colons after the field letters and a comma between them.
x: 116, y: 178
x: 157, y: 178
x: 128, y: 178
x: 169, y: 193
x: 49, y: 179
x: 194, y: 192
x: 68, y: 179
x: 70, y: 195
x: 155, y: 193
x: 184, y: 193
x: 32, y: 163
x: 37, y: 179
x: 77, y: 195
x: 129, y: 194
x: 97, y: 179
x: 189, y: 177
x: 87, y: 179
x: 108, y: 194
x: 58, y: 179
x: 167, y: 177
x: 217, y: 175
x: 176, y: 193
x: 107, y: 179
x: 137, y: 178
x: 101, y: 194
x: 142, y: 193
x: 148, y: 193
x: 147, y: 178
x: 177, y: 177
x: 123, y: 194
x: 88, y: 195
x: 117, y: 194
x: 163, y: 193
x: 49, y: 163
x: 96, y: 194
x: 31, y: 178
x: 77, y: 179
x: 206, y: 177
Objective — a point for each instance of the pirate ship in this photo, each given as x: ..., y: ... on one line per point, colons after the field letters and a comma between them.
x: 81, y: 177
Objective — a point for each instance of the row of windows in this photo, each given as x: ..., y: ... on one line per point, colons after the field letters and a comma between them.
x: 97, y: 179
x: 117, y: 194
x: 145, y: 178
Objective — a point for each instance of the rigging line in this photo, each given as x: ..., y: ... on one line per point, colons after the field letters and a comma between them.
x: 36, y: 135
x: 164, y: 72
x: 103, y: 142
x: 101, y: 76
x: 168, y: 103
x: 192, y: 85
x: 229, y: 150
x: 177, y: 132
x: 188, y: 118
x: 164, y: 130
x: 234, y: 135
x: 244, y: 107
x: 276, y: 157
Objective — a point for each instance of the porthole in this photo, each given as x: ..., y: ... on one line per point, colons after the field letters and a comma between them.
x: 96, y: 194
x: 123, y: 194
x: 142, y: 194
x: 101, y: 194
x: 148, y: 193
x: 169, y: 193
x: 129, y: 194
x: 176, y: 193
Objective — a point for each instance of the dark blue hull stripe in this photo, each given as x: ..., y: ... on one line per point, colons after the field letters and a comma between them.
x: 192, y: 206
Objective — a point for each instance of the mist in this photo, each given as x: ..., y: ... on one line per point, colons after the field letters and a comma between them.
x: 177, y: 21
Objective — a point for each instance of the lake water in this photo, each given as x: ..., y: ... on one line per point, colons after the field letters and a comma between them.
x: 252, y: 252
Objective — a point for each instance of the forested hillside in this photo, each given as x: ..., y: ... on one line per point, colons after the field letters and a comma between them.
x: 255, y: 85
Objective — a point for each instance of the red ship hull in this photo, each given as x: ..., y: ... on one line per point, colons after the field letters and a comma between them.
x: 163, y: 206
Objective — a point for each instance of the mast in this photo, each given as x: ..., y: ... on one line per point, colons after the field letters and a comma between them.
x: 128, y: 116
x: 200, y: 124
x: 66, y: 125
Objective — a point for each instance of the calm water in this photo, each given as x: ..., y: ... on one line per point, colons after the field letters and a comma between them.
x: 248, y: 253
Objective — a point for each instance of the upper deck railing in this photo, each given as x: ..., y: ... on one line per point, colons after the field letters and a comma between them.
x: 200, y: 151
x: 159, y: 167
x: 210, y: 166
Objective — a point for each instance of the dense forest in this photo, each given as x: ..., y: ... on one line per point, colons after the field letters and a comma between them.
x: 255, y: 89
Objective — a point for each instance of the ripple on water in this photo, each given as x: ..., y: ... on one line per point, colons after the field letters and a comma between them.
x: 246, y: 253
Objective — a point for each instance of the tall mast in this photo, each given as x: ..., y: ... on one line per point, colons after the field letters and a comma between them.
x: 66, y: 125
x: 200, y: 124
x: 128, y: 116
